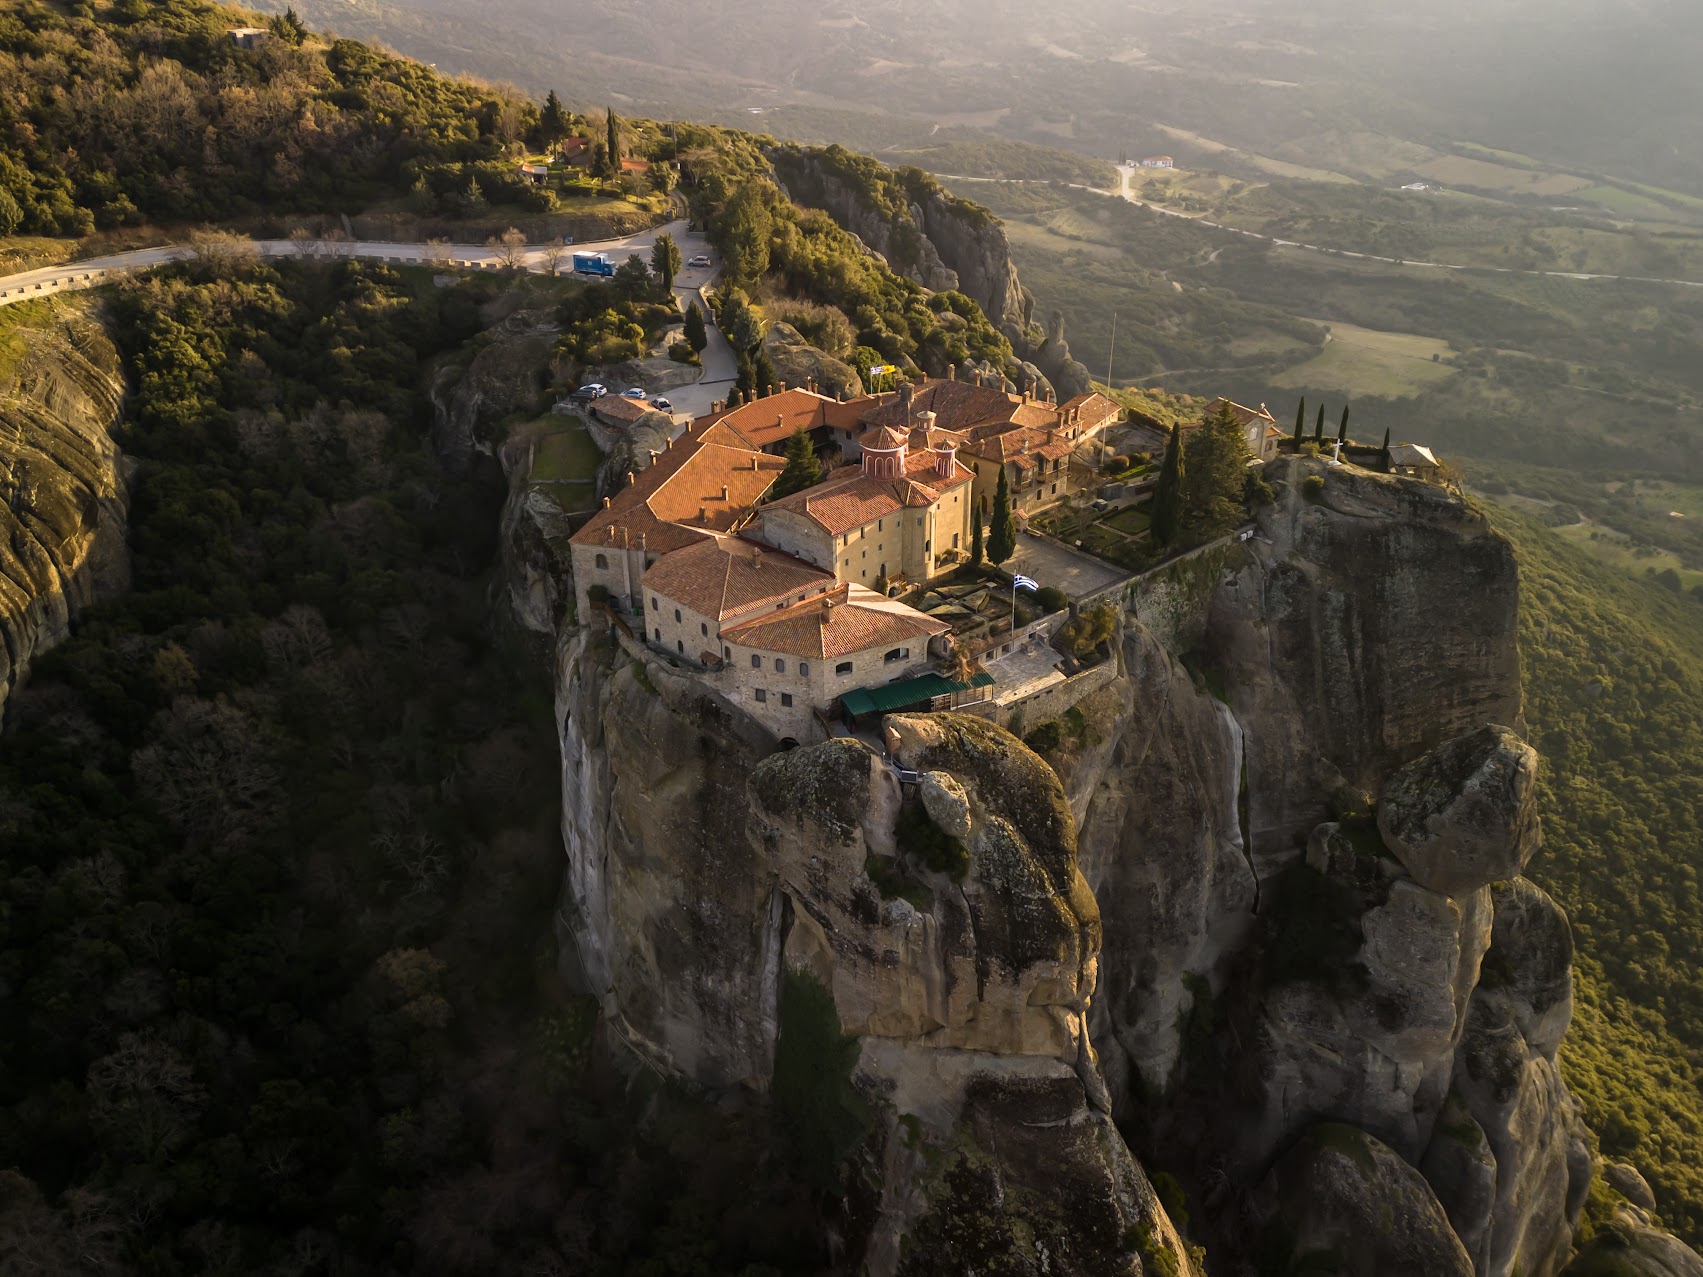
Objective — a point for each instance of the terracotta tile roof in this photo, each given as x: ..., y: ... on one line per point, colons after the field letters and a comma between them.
x: 844, y: 621
x: 956, y: 405
x: 849, y: 499
x: 770, y: 420
x: 1021, y: 443
x: 1247, y: 416
x: 1093, y: 410
x: 679, y: 499
x: 726, y: 577
x: 884, y: 439
x: 620, y: 409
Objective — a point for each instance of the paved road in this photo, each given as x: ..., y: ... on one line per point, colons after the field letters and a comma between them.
x: 692, y: 282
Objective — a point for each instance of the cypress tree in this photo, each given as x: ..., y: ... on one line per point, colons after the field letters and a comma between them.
x: 1168, y: 495
x: 613, y: 145
x: 803, y: 468
x: 553, y: 123
x: 697, y: 335
x: 1300, y: 420
x: 1386, y: 442
x: 1342, y: 433
x: 1002, y: 538
x: 977, y: 555
x: 1319, y: 429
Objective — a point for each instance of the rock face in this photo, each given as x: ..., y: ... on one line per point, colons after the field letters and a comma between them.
x: 700, y: 872
x: 63, y: 501
x: 1342, y: 1203
x: 942, y: 242
x: 1464, y: 815
x: 504, y: 377
x: 796, y: 361
x: 1630, y: 1247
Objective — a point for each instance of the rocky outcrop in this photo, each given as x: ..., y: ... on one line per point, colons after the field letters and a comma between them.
x: 63, y: 501
x: 1632, y: 1247
x: 504, y: 376
x: 955, y: 936
x: 1342, y: 1203
x: 797, y: 362
x: 1465, y: 815
x: 1336, y: 649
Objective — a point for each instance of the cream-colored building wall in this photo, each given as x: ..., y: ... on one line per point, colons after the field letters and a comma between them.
x: 616, y: 570
x: 810, y: 684
x: 797, y: 535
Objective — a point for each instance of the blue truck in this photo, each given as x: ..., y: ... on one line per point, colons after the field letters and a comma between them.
x: 593, y: 264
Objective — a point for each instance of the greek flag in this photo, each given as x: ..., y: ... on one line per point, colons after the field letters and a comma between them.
x: 1021, y: 582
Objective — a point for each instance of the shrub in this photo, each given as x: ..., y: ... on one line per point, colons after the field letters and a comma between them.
x: 1313, y: 487
x: 919, y: 836
x: 681, y: 352
x: 1046, y: 738
x: 1052, y: 599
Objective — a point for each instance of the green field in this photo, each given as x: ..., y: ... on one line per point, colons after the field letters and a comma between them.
x: 1364, y: 361
x: 567, y: 458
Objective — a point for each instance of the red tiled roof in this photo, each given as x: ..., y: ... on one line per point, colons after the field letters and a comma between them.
x: 679, y: 500
x: 725, y: 577
x: 849, y: 499
x: 775, y: 417
x: 842, y: 622
x: 884, y: 439
x: 956, y: 405
x: 1092, y: 410
x: 1247, y: 416
x: 619, y: 408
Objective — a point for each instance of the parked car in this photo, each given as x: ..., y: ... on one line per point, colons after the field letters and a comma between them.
x: 591, y: 390
x: 634, y: 392
x: 661, y: 404
x: 1100, y: 503
x: 699, y: 260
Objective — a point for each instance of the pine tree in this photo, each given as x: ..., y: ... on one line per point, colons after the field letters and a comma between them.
x: 1386, y: 441
x: 1168, y: 495
x: 612, y: 147
x: 1319, y: 429
x: 1342, y: 433
x: 553, y: 124
x: 803, y: 468
x: 1002, y: 537
x: 697, y: 335
x: 978, y: 555
x: 763, y: 369
x: 1300, y: 420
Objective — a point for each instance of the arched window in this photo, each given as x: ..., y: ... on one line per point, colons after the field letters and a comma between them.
x: 804, y: 669
x: 677, y: 616
x: 756, y: 661
x: 704, y: 629
x: 657, y: 635
x: 654, y: 605
x: 679, y: 647
x: 603, y: 561
x: 780, y: 666
x: 844, y: 667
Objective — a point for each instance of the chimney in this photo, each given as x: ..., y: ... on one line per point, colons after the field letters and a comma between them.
x: 782, y: 389
x: 724, y: 492
x: 642, y: 537
x: 703, y: 514
x: 951, y: 372
x: 605, y: 503
x: 630, y: 473
x: 978, y: 376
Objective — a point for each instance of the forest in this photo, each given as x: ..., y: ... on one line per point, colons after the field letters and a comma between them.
x: 279, y: 852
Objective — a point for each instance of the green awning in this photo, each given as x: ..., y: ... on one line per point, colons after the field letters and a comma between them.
x: 907, y: 693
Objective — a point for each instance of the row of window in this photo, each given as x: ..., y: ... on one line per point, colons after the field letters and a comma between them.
x: 763, y: 697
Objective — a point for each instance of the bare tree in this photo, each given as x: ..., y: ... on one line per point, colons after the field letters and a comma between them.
x: 510, y: 248
x: 304, y: 243
x: 552, y: 258
x: 220, y: 253
x: 437, y: 252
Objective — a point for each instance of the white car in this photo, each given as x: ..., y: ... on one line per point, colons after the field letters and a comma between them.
x: 591, y: 390
x: 661, y: 404
x: 699, y: 260
x: 634, y: 392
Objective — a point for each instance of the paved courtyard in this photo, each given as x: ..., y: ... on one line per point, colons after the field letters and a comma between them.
x: 1053, y: 564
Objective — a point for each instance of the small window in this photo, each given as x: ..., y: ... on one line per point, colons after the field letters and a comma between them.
x: 756, y: 661
x: 680, y: 647
x: 657, y: 635
x: 919, y: 520
x: 786, y: 699
x: 676, y: 616
x: 704, y: 629
x: 804, y: 669
x: 844, y: 667
x: 955, y: 540
x: 1055, y: 490
x: 762, y: 696
x: 878, y: 524
x: 654, y: 605
x: 603, y: 561
x: 928, y: 546
x: 780, y: 666
x: 727, y: 653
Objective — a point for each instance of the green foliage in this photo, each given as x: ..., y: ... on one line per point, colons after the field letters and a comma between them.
x: 803, y: 467
x: 1002, y: 536
x: 978, y: 551
x: 823, y: 1116
x: 1156, y: 1257
x: 554, y: 123
x: 1167, y: 516
x: 1215, y: 466
x: 1084, y: 634
x: 894, y: 883
x: 665, y: 261
x: 697, y: 334
x: 1313, y: 487
x: 1614, y: 695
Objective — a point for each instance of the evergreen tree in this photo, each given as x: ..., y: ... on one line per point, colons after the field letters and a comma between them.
x: 1215, y: 470
x: 978, y: 555
x: 1319, y: 429
x: 553, y: 124
x: 763, y: 369
x: 612, y: 147
x: 697, y: 335
x: 745, y: 380
x: 1300, y: 420
x: 1168, y: 495
x: 803, y: 468
x: 473, y: 197
x: 665, y: 261
x: 1342, y: 432
x: 1002, y: 537
x: 1386, y: 441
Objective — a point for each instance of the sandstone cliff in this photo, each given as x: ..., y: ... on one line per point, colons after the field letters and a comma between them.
x: 943, y: 243
x: 62, y: 492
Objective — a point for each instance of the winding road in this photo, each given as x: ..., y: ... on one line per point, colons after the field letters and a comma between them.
x: 691, y: 284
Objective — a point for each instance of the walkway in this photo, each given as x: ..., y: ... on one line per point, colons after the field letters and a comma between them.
x: 1052, y: 563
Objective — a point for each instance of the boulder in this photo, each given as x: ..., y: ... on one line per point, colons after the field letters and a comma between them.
x: 797, y: 362
x: 1631, y: 1185
x: 1464, y: 815
x: 1340, y: 1202
x: 1630, y: 1247
x: 947, y: 804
